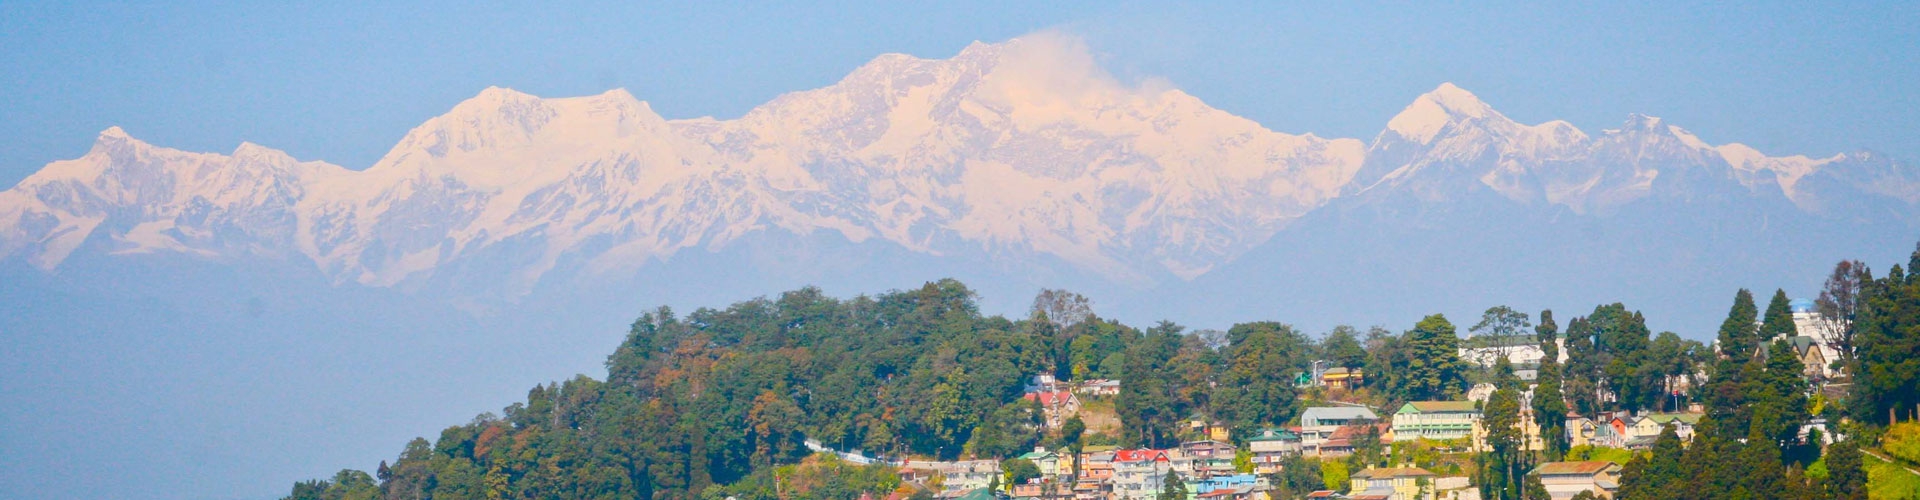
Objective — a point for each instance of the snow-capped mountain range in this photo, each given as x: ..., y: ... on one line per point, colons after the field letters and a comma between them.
x: 1021, y: 152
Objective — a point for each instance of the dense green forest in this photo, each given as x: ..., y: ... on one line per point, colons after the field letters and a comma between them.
x: 719, y: 402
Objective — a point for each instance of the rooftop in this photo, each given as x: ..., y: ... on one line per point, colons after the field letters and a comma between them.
x: 1590, y: 467
x: 1274, y: 435
x: 1395, y: 472
x: 1337, y: 413
x: 1441, y: 407
x: 1667, y: 418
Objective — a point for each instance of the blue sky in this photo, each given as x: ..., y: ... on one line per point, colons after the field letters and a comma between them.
x: 342, y: 82
x: 163, y: 400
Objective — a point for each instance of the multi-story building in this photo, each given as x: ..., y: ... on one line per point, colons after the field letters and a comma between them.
x: 1410, y: 483
x: 1398, y: 483
x: 1270, y: 447
x: 1049, y: 463
x: 1231, y: 486
x: 1137, y: 474
x: 954, y: 477
x: 1529, y: 429
x: 1824, y: 334
x: 1317, y: 424
x: 1096, y: 473
x: 1205, y: 458
x: 1435, y: 420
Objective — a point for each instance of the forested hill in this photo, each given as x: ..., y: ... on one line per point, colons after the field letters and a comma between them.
x: 714, y: 396
x: 723, y: 403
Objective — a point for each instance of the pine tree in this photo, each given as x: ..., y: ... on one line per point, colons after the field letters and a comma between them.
x: 1434, y: 369
x: 1583, y: 372
x: 1536, y: 490
x: 1738, y: 332
x: 1502, y: 464
x: 1662, y: 476
x: 1759, y: 460
x: 1726, y: 386
x: 1846, y: 478
x: 1636, y: 483
x: 1549, y: 403
x: 1172, y: 488
x: 1887, y: 348
x: 1147, y: 404
x: 1778, y: 321
x: 1775, y: 394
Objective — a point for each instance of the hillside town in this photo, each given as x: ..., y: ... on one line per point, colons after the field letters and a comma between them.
x: 1208, y: 464
x: 915, y: 395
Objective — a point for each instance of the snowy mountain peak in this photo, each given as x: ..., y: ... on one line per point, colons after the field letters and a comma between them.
x: 1458, y: 100
x: 979, y: 49
x: 1023, y: 153
x: 115, y: 142
x: 262, y: 154
x: 1435, y: 110
x: 1637, y: 122
x: 498, y: 94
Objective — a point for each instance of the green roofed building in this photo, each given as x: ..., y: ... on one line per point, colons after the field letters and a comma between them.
x: 1435, y: 420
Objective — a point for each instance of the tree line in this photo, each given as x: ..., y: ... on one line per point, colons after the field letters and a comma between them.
x: 719, y: 402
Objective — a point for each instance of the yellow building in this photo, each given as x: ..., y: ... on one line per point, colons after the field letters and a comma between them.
x: 1397, y: 483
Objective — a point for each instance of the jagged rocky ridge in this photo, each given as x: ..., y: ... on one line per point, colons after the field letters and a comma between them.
x: 1021, y: 151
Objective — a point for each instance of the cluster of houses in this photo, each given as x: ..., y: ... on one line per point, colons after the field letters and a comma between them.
x: 1206, y: 466
x: 1105, y: 472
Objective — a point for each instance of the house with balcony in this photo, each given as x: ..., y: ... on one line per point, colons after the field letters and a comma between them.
x: 1317, y: 424
x: 1343, y: 378
x: 1435, y: 420
x: 1270, y: 447
x: 1137, y: 474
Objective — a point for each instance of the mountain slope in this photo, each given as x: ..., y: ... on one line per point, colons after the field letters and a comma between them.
x: 1001, y: 150
x: 1015, y: 159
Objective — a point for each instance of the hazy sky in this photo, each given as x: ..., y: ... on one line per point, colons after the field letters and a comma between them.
x: 168, y: 401
x: 342, y: 82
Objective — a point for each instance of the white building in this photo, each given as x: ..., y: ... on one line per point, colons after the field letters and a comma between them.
x: 1317, y: 424
x: 1270, y: 447
x: 1519, y: 355
x: 960, y: 476
x: 1137, y: 474
x: 1825, y: 334
x: 1435, y: 420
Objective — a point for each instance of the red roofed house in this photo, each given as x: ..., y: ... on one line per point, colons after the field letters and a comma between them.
x: 1058, y: 406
